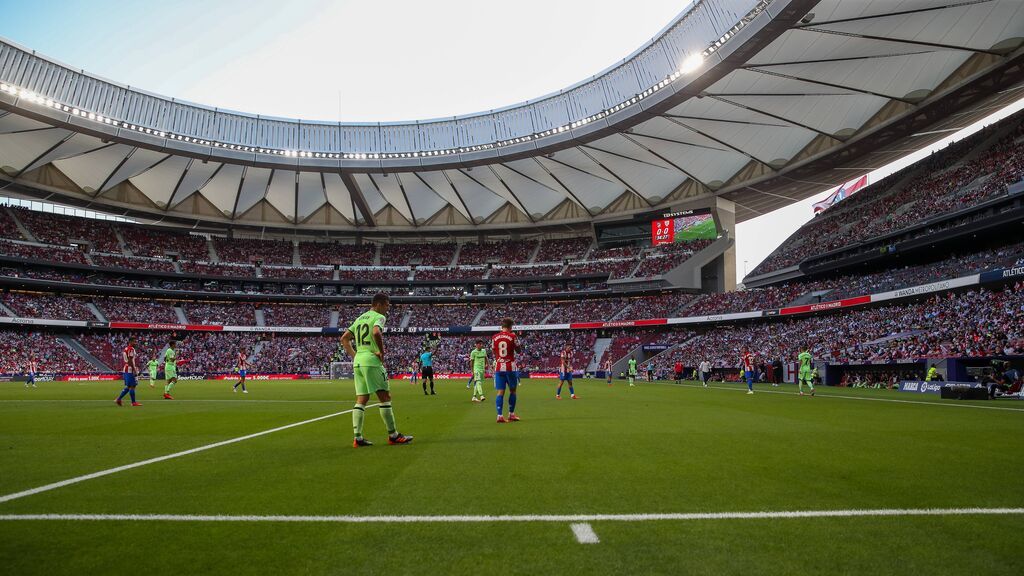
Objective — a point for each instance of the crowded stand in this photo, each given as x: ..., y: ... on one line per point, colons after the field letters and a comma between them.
x: 442, y: 315
x: 624, y: 341
x: 330, y: 253
x: 296, y: 354
x: 504, y: 251
x: 746, y: 300
x: 107, y: 347
x: 74, y: 277
x: 296, y: 315
x: 522, y: 312
x: 246, y: 250
x: 562, y: 249
x: 616, y: 253
x: 665, y: 305
x: 8, y: 227
x: 586, y: 311
x: 235, y: 314
x: 297, y: 273
x: 137, y: 310
x: 47, y: 306
x: 424, y: 253
x: 973, y: 323
x: 61, y: 230
x: 614, y: 268
x: 516, y: 272
x: 224, y: 270
x: 376, y: 274
x: 158, y: 243
x: 112, y: 261
x: 459, y: 273
x: 17, y: 347
x: 939, y: 184
x: 62, y: 254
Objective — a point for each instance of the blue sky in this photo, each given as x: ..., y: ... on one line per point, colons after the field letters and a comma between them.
x: 363, y: 61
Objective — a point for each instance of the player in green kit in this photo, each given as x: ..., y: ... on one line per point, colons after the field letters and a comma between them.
x: 152, y: 365
x: 170, y: 368
x: 806, y: 375
x: 364, y: 343
x: 631, y: 371
x: 477, y: 366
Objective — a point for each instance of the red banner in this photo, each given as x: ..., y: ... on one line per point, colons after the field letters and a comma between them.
x: 622, y: 324
x: 845, y: 303
x: 147, y: 326
x: 85, y: 377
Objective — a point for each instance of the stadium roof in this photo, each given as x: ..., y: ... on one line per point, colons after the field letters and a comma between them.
x: 762, y: 102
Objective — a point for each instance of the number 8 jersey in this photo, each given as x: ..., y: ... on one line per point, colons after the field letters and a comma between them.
x: 366, y: 346
x: 504, y: 345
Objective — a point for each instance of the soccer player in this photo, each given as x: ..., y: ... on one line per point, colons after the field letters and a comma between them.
x: 414, y: 377
x: 650, y: 372
x: 705, y: 372
x: 478, y: 367
x: 631, y: 371
x: 747, y: 360
x: 364, y: 343
x: 152, y: 366
x: 679, y: 371
x: 805, y: 369
x: 565, y: 375
x: 31, y: 366
x: 243, y: 369
x: 506, y: 375
x: 170, y: 368
x: 427, y: 360
x: 128, y: 371
x: 608, y: 371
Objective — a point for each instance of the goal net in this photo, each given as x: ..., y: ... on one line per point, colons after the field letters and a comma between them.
x: 341, y: 370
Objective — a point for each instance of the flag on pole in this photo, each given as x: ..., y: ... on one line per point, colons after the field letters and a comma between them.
x: 844, y: 191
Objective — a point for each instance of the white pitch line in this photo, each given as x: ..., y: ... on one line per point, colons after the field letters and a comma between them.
x: 584, y: 533
x: 895, y: 400
x: 110, y: 471
x: 683, y: 516
x: 190, y: 401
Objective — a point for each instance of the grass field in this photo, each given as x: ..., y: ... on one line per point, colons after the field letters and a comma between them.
x: 703, y: 230
x: 657, y: 448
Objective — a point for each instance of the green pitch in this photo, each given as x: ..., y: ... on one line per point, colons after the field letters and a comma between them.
x: 704, y: 230
x: 656, y: 448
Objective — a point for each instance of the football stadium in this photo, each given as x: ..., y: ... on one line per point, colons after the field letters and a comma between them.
x: 746, y: 299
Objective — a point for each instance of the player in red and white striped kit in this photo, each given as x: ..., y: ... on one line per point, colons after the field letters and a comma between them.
x: 506, y: 374
x: 243, y: 369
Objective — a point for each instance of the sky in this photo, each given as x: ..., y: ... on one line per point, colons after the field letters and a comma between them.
x: 364, y: 61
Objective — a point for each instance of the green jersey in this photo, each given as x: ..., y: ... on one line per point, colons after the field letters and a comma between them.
x: 366, y: 345
x: 171, y: 358
x: 632, y: 366
x: 805, y: 361
x: 479, y: 358
x: 152, y: 365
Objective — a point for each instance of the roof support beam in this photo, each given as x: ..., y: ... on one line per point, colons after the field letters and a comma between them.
x: 357, y: 198
x: 671, y: 163
x: 901, y: 41
x: 830, y: 85
x: 723, y: 143
x: 890, y: 14
x: 775, y: 116
x: 616, y: 176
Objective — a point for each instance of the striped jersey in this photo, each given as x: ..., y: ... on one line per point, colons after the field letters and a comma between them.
x: 504, y: 345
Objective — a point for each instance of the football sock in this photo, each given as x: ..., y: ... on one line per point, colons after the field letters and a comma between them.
x: 512, y: 403
x: 123, y: 392
x: 571, y: 391
x: 358, y: 414
x: 168, y: 387
x: 558, y: 392
x: 499, y: 402
x: 424, y: 386
x: 431, y: 385
x: 131, y: 392
x: 388, y: 415
x: 750, y: 384
x: 243, y: 386
x: 478, y: 390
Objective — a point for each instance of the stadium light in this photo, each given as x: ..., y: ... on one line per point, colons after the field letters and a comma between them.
x: 692, y: 64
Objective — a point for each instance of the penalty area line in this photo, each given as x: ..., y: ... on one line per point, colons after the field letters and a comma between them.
x: 577, y: 519
x: 101, y: 473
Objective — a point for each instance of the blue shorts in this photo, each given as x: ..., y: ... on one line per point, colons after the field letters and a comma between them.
x: 31, y: 376
x: 565, y: 376
x: 129, y: 379
x: 508, y: 379
x: 241, y: 373
x: 749, y: 376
